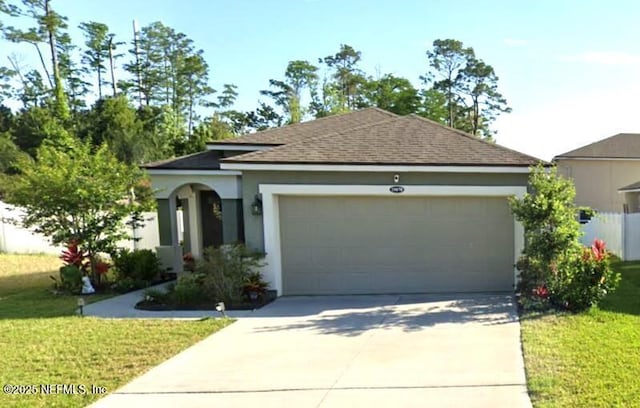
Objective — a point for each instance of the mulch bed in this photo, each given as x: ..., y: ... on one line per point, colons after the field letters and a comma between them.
x: 154, y: 305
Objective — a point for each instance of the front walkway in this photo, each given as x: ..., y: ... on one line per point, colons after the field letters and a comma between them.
x: 349, y: 351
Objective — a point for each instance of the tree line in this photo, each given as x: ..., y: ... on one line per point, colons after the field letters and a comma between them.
x: 149, y: 97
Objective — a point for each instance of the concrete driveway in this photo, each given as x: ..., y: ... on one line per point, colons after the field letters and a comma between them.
x: 349, y: 351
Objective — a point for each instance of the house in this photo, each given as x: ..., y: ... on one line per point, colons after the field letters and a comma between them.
x: 363, y: 202
x: 605, y: 173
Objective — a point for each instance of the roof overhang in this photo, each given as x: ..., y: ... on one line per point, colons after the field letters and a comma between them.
x: 373, y: 168
x: 597, y: 158
x: 239, y: 147
x: 194, y: 172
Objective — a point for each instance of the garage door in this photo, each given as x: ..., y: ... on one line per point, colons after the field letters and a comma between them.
x: 358, y: 245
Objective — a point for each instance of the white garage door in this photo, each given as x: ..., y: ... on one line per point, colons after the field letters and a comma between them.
x: 358, y: 245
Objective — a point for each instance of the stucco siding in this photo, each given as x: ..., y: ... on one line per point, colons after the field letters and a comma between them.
x: 597, y: 181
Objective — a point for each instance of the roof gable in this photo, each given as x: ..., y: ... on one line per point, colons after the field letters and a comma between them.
x: 406, y: 140
x: 620, y: 146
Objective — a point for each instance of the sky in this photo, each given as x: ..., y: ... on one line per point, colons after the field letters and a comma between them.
x: 569, y: 69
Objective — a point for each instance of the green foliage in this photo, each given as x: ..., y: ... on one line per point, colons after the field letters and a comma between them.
x: 225, y: 270
x: 288, y: 94
x: 141, y: 265
x: 585, y: 280
x: 391, y: 93
x: 154, y: 294
x: 127, y: 284
x: 555, y: 270
x: 190, y: 290
x: 77, y: 195
x: 254, y: 283
x: 97, y: 52
x: 35, y: 125
x: 433, y: 105
x: 168, y: 70
x: 347, y: 75
x: 469, y: 86
x: 113, y: 121
x: 70, y: 279
x: 11, y: 156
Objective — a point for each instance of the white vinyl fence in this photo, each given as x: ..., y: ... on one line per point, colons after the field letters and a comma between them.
x: 620, y: 232
x: 15, y: 239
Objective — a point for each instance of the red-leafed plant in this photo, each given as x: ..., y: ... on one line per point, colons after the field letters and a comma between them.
x: 541, y: 292
x: 101, y: 268
x: 73, y: 255
x: 599, y: 249
x: 556, y: 270
x: 189, y: 262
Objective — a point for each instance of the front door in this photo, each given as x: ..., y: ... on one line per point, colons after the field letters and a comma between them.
x: 211, y: 219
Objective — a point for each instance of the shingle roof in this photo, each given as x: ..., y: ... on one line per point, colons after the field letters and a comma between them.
x: 631, y: 187
x: 209, y: 160
x: 306, y: 130
x: 620, y: 146
x: 405, y: 140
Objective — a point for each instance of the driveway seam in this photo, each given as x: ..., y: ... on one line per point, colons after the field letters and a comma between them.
x: 386, y: 310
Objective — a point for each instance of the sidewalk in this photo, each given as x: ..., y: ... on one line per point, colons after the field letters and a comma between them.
x: 123, y: 306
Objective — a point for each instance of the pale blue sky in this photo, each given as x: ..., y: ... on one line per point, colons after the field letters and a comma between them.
x: 569, y: 69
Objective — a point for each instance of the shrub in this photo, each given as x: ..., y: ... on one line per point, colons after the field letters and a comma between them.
x: 141, y: 265
x: 555, y: 270
x: 156, y: 295
x: 225, y: 271
x: 585, y: 279
x: 126, y: 284
x: 189, y: 290
x: 253, y: 283
x: 70, y: 279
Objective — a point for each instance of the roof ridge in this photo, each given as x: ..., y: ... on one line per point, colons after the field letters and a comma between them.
x: 593, y: 144
x: 315, y: 138
x: 472, y: 137
x: 298, y: 124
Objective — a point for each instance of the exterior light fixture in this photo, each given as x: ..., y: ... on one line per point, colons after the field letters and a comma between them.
x: 81, y: 304
x: 220, y: 308
x: 256, y: 206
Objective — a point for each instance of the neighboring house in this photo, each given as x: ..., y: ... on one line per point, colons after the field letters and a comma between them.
x: 364, y: 202
x: 605, y: 173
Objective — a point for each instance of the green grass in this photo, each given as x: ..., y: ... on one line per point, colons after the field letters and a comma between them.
x: 43, y: 341
x: 590, y: 359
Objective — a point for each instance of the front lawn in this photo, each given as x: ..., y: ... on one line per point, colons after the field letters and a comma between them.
x: 45, y: 342
x: 590, y: 359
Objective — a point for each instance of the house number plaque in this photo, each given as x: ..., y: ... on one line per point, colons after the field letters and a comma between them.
x: 396, y: 189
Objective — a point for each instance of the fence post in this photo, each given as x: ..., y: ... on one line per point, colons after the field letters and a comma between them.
x: 3, y: 238
x: 623, y: 231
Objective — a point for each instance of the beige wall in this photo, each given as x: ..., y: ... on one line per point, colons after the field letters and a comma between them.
x: 253, y: 225
x: 597, y: 181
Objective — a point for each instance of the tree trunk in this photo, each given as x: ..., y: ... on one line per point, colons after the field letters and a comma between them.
x: 111, y: 67
x: 476, y: 114
x: 138, y: 67
x: 99, y: 77
x: 44, y: 65
x: 61, y: 103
